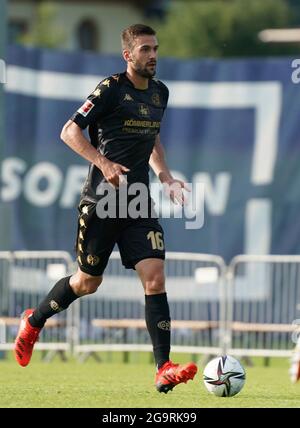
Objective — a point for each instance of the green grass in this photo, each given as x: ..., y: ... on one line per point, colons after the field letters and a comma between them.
x: 114, y: 384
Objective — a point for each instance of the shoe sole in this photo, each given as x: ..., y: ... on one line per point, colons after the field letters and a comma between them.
x: 164, y: 388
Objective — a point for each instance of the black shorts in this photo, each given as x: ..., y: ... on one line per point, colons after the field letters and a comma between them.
x: 137, y: 239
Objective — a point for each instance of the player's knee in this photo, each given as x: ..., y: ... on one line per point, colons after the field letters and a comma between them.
x: 155, y: 284
x: 88, y: 285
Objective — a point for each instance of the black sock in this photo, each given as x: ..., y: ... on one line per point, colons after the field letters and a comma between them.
x: 158, y: 323
x: 58, y: 299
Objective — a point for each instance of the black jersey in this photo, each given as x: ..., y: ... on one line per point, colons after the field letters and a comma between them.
x: 123, y: 123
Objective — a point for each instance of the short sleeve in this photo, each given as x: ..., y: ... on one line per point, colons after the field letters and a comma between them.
x: 165, y: 95
x: 99, y: 103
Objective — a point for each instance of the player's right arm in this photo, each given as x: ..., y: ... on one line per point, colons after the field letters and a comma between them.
x: 99, y: 103
x: 73, y: 136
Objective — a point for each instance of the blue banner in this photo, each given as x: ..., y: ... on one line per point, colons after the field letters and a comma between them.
x: 232, y: 125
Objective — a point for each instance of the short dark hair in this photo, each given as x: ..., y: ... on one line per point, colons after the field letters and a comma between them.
x: 136, y: 30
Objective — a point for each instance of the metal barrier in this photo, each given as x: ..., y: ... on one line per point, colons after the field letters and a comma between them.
x: 263, y: 296
x: 26, y: 277
x: 112, y: 318
x: 248, y: 309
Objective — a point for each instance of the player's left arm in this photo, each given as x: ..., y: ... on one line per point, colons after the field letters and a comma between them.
x: 158, y: 163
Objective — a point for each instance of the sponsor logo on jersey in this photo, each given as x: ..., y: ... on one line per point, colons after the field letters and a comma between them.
x: 86, y: 108
x: 142, y: 123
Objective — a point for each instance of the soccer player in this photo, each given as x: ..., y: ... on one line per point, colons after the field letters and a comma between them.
x: 123, y: 117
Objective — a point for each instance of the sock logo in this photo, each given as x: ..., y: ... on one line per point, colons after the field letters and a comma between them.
x: 55, y: 306
x: 164, y: 325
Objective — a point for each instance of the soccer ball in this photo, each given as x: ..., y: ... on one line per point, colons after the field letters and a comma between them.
x: 224, y: 376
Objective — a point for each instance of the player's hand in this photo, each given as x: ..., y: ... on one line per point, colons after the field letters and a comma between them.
x: 114, y: 172
x: 175, y: 189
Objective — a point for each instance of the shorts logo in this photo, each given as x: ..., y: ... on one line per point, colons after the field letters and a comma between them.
x: 55, y: 306
x: 86, y: 108
x: 164, y: 325
x: 92, y: 260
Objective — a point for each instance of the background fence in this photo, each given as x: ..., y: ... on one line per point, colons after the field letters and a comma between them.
x: 263, y: 302
x: 113, y: 319
x: 249, y: 308
x: 26, y: 277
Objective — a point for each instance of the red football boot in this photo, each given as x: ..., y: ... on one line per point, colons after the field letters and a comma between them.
x: 25, y: 340
x: 170, y: 375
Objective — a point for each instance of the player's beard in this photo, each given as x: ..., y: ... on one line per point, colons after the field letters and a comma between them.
x: 143, y: 71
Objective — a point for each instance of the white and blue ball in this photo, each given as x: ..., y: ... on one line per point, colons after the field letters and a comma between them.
x: 224, y: 376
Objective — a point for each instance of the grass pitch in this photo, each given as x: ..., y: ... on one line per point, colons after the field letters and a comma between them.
x: 115, y: 384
